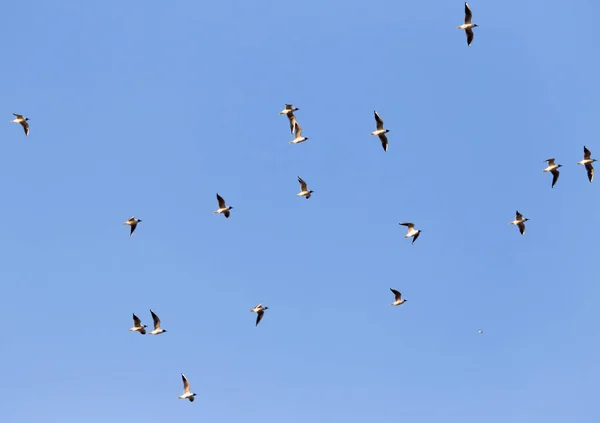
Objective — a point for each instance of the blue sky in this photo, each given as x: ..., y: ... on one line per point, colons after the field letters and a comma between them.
x: 149, y: 108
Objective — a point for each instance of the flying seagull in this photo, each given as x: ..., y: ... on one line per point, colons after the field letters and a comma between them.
x: 397, y: 298
x: 223, y: 208
x: 520, y: 222
x: 552, y: 168
x: 186, y: 390
x: 304, y: 192
x: 157, y: 329
x: 132, y: 222
x: 587, y: 162
x: 260, y: 310
x: 480, y: 331
x: 23, y: 121
x: 411, y: 231
x: 289, y: 112
x: 137, y: 325
x: 299, y: 137
x: 468, y: 26
x: 380, y: 132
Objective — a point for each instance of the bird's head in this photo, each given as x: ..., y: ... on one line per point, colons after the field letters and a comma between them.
x: 525, y: 220
x: 139, y: 220
x: 558, y: 166
x: 145, y: 326
x: 265, y: 308
x: 475, y: 25
x: 387, y: 130
x: 164, y: 330
x: 230, y: 207
x: 26, y: 118
x: 594, y: 160
x: 311, y: 191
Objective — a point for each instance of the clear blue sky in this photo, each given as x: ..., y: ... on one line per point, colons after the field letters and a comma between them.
x: 149, y: 108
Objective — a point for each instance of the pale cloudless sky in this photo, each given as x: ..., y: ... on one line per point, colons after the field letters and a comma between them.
x: 149, y: 108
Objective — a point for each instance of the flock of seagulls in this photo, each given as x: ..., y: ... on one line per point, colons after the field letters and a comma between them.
x: 296, y: 130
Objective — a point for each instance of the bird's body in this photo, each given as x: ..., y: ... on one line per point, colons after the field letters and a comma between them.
x: 520, y: 222
x: 20, y: 119
x: 553, y: 169
x: 132, y: 223
x: 137, y: 326
x: 380, y: 131
x: 223, y: 208
x: 304, y: 191
x: 260, y: 310
x: 298, y: 135
x: 397, y: 298
x: 157, y: 329
x: 187, y: 394
x: 412, y: 232
x: 468, y: 26
x: 587, y: 162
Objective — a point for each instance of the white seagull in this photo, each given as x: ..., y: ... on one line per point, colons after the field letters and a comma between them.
x: 289, y: 112
x: 299, y: 138
x: 23, y: 121
x: 587, y: 162
x: 553, y: 169
x: 223, y: 208
x: 380, y: 132
x: 468, y: 26
x: 132, y: 222
x: 260, y: 310
x: 186, y: 390
x: 397, y: 298
x: 137, y: 325
x: 520, y: 222
x: 304, y: 191
x: 157, y: 329
x: 412, y: 232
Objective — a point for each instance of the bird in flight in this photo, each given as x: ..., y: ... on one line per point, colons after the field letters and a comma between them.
x: 304, y: 191
x: 397, y: 298
x: 223, y: 208
x: 186, y: 390
x: 412, y: 232
x: 137, y: 325
x: 132, y: 222
x: 260, y: 310
x: 520, y: 222
x: 587, y: 162
x: 553, y: 169
x: 157, y: 329
x: 23, y: 121
x: 380, y: 132
x: 468, y: 26
x: 289, y: 112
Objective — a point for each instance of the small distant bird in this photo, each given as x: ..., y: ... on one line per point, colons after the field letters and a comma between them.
x: 223, y: 208
x: 412, y: 232
x: 552, y: 168
x: 304, y: 192
x: 186, y: 390
x: 132, y: 222
x: 480, y: 331
x: 468, y: 26
x: 260, y: 310
x: 587, y: 162
x: 520, y: 222
x: 23, y: 121
x: 137, y: 325
x: 397, y: 298
x: 157, y: 329
x: 289, y: 112
x: 299, y: 137
x: 380, y: 132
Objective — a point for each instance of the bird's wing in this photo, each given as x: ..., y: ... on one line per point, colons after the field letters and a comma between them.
x: 18, y: 116
x: 132, y: 228
x: 409, y: 225
x: 302, y: 184
x: 550, y: 161
x: 293, y: 122
x: 468, y: 14
x: 590, y: 171
x: 25, y: 126
x: 226, y: 213
x: 521, y: 228
x: 519, y: 216
x: 586, y: 153
x: 384, y: 141
x: 415, y: 237
x: 378, y: 120
x: 397, y: 294
x: 555, y: 174
x: 221, y: 201
x: 298, y: 130
x: 469, y: 33
x: 136, y: 321
x: 156, y: 320
x: 186, y: 384
x: 259, y: 316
